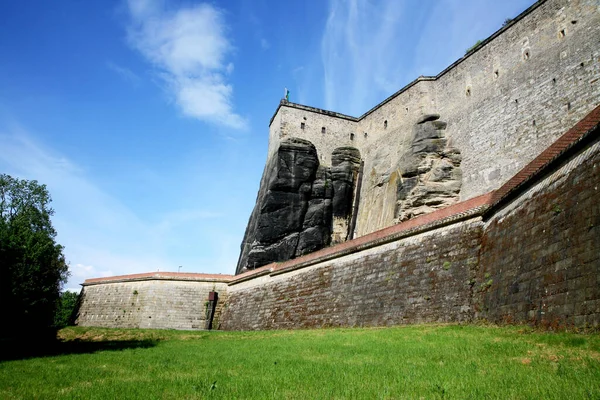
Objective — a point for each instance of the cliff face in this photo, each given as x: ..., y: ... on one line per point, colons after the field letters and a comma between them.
x: 297, y: 204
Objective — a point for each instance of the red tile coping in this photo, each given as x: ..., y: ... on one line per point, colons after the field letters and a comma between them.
x: 466, y: 208
x: 186, y: 276
x: 562, y: 144
x: 463, y: 210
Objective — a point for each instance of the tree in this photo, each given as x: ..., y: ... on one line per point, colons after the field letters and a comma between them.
x: 32, y: 264
x: 66, y: 307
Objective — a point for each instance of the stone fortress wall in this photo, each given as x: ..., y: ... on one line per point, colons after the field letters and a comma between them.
x: 154, y: 300
x: 503, y: 103
x: 512, y: 237
x: 525, y: 253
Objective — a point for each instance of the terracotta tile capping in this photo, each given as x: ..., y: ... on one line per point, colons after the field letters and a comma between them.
x: 186, y: 276
x: 463, y: 210
x: 253, y: 273
x: 581, y: 130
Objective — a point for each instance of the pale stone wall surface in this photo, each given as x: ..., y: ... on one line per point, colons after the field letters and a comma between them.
x: 157, y: 304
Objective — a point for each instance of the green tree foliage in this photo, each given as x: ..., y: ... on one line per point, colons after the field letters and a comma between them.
x: 66, y: 308
x: 32, y: 264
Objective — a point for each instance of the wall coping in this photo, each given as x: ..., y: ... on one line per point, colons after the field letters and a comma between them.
x: 421, y: 78
x: 168, y: 276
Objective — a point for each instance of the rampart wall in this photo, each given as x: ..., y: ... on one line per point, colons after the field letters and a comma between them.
x: 154, y: 300
x: 540, y: 253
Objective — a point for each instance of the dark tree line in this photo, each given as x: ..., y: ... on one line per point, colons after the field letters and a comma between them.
x: 32, y: 264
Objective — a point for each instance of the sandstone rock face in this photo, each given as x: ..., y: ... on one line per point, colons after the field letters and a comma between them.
x: 292, y: 215
x: 345, y: 165
x: 430, y: 171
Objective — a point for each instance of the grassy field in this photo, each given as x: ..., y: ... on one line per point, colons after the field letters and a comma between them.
x: 427, y: 361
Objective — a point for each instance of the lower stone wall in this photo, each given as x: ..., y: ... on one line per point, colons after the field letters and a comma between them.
x: 422, y: 278
x: 152, y: 303
x: 541, y: 253
x: 528, y: 252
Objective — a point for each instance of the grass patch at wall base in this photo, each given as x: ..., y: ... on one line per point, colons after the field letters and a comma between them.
x: 426, y: 361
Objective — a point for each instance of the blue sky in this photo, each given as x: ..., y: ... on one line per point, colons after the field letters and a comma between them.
x: 148, y: 120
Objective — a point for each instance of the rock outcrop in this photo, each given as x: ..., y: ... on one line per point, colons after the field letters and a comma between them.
x: 345, y: 165
x: 293, y: 209
x: 301, y: 206
x: 430, y: 171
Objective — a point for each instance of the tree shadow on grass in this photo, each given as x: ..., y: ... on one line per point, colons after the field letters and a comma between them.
x: 20, y: 349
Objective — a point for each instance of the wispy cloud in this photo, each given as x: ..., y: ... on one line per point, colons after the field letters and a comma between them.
x: 371, y: 48
x: 125, y: 73
x: 189, y: 48
x: 264, y: 43
x: 361, y: 50
x: 101, y: 235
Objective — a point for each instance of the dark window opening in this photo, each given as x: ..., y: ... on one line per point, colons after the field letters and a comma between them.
x: 352, y: 136
x: 385, y: 124
x: 302, y: 125
x: 323, y: 130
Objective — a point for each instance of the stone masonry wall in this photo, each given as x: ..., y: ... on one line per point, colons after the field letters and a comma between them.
x: 503, y: 103
x: 423, y: 278
x: 337, y: 130
x: 540, y: 259
x: 527, y: 252
x: 154, y: 303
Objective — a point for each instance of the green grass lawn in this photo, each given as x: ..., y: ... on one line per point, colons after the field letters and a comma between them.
x: 426, y: 361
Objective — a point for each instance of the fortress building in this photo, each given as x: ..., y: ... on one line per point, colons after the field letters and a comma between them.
x: 468, y: 195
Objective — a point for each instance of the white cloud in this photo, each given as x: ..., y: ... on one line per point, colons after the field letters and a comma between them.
x: 125, y: 73
x: 189, y: 48
x: 101, y: 235
x: 360, y: 51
